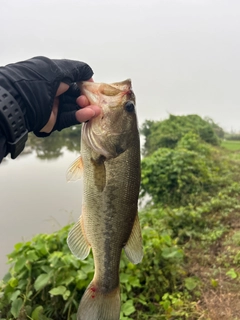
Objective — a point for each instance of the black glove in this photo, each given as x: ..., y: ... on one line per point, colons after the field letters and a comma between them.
x: 34, y: 83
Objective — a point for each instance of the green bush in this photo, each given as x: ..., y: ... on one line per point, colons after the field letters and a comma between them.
x: 46, y: 281
x: 201, y: 221
x: 167, y: 133
x: 189, y: 173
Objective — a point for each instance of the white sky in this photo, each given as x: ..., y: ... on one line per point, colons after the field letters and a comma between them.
x: 182, y: 55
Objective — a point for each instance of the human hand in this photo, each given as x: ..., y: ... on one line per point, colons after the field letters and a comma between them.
x: 85, y: 113
x: 47, y: 92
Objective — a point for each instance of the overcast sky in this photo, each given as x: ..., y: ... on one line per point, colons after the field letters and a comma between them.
x: 182, y: 55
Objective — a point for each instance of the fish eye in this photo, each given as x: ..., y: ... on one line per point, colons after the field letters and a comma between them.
x: 129, y: 106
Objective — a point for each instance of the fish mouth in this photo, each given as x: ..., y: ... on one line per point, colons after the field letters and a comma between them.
x: 96, y: 91
x: 90, y: 90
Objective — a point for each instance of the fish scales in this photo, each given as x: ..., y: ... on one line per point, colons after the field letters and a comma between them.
x: 114, y: 207
x: 110, y: 158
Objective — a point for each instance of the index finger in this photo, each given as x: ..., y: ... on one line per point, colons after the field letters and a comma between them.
x: 73, y: 71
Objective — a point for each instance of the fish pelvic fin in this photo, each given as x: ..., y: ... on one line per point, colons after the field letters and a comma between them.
x: 134, y: 247
x: 75, y: 170
x: 77, y: 241
x: 96, y: 305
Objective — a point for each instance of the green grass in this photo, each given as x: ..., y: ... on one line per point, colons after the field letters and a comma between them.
x: 231, y: 145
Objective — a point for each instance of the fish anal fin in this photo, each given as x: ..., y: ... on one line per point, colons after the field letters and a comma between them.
x: 75, y: 170
x: 77, y: 241
x: 134, y: 248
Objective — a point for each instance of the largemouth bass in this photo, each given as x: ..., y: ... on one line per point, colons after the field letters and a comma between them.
x: 110, y: 165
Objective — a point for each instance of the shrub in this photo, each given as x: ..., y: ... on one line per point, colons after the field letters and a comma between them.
x: 46, y: 281
x: 167, y: 133
x: 187, y: 174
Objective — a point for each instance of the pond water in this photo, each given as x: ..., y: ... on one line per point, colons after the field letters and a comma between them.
x: 34, y: 195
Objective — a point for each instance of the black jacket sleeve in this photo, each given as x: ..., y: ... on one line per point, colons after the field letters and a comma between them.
x: 34, y: 83
x: 3, y: 146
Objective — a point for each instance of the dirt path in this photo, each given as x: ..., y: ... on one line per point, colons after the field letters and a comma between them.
x: 218, y: 268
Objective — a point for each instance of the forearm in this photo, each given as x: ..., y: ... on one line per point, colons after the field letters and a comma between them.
x: 13, y: 123
x: 30, y: 94
x: 3, y: 146
x: 46, y: 97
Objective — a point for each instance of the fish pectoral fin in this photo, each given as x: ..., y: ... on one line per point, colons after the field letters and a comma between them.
x: 75, y: 170
x: 134, y: 248
x: 99, y: 173
x: 77, y: 241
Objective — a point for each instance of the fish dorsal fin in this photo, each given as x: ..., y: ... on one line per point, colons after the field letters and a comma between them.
x: 75, y: 170
x: 77, y: 241
x: 134, y: 248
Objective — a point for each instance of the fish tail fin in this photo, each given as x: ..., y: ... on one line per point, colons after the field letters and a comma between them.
x: 96, y: 305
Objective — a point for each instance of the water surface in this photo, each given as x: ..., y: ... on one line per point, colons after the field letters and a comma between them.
x: 34, y: 195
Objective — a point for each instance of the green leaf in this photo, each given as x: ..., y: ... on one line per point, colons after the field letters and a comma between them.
x: 58, y: 291
x: 32, y: 256
x: 36, y: 314
x: 166, y: 304
x: 28, y: 310
x: 20, y: 264
x: 67, y: 294
x: 22, y: 284
x: 134, y: 282
x: 191, y: 283
x: 128, y: 308
x: 15, y: 295
x: 41, y: 247
x: 42, y: 281
x: 123, y: 297
x: 7, y: 277
x: 214, y: 283
x: 16, y: 307
x: 124, y: 278
x: 171, y: 252
x: 232, y: 273
x: 13, y: 282
x: 88, y: 268
x: 73, y: 261
x: 18, y: 246
x: 46, y: 269
x: 124, y: 318
x: 68, y: 280
x: 81, y: 275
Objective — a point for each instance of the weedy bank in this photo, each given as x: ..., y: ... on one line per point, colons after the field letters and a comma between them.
x: 191, y: 236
